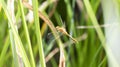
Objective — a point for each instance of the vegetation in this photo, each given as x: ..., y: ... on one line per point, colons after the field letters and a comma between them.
x: 52, y: 33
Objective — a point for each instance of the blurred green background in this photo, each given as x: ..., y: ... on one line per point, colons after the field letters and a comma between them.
x: 82, y: 19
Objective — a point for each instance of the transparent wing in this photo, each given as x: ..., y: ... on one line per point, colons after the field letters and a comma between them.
x: 52, y: 38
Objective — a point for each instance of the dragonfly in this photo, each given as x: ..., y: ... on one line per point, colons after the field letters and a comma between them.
x: 63, y: 30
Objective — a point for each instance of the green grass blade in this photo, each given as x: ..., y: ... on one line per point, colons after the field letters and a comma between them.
x: 14, y: 51
x: 26, y: 33
x: 38, y: 34
x: 17, y: 38
x: 4, y: 51
x: 94, y: 21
